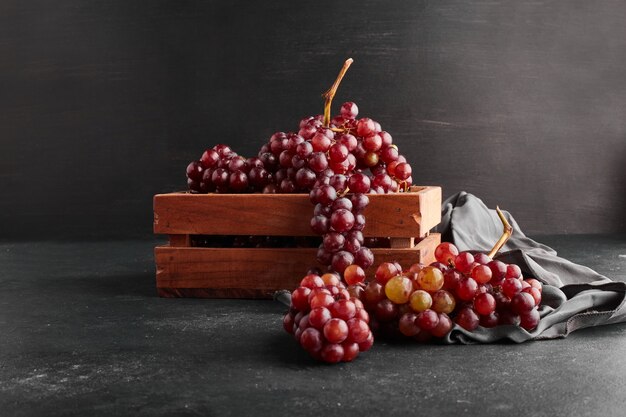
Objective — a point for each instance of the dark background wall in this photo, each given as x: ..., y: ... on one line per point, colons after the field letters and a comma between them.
x: 103, y: 104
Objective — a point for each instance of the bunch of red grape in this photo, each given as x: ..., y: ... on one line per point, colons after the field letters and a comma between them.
x: 468, y: 289
x: 492, y: 292
x: 327, y: 320
x: 221, y: 170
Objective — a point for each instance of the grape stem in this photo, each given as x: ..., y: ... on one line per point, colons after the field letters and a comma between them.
x: 330, y: 93
x: 506, y: 233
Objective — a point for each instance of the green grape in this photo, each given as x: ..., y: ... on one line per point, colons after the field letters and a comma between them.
x: 398, y: 289
x: 420, y: 300
x: 430, y: 279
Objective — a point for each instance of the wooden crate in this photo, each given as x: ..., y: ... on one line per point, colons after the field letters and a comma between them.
x: 186, y: 271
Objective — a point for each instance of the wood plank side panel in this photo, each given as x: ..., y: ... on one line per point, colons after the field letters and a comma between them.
x: 254, y: 273
x: 389, y: 215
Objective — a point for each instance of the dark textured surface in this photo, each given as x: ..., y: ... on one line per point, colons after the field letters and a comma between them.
x: 82, y: 333
x: 103, y: 104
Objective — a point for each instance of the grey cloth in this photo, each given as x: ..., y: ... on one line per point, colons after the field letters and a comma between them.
x: 574, y: 296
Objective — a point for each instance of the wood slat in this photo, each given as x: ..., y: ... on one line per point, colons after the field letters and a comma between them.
x: 254, y: 273
x: 410, y: 214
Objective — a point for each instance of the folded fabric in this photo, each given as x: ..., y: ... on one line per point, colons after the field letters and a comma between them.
x: 574, y: 296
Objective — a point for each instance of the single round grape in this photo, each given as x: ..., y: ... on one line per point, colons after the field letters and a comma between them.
x: 489, y: 320
x: 326, y: 195
x: 385, y: 310
x: 388, y: 154
x: 385, y: 272
x: 466, y: 289
x: 463, y: 262
x: 365, y: 127
x: 358, y: 330
x: 370, y: 159
x: 430, y: 278
x: 398, y: 289
x: 535, y: 293
x: 529, y: 320
x: 343, y: 309
x: 359, y: 183
x: 300, y: 298
x: 321, y: 142
x: 320, y: 224
x: 349, y: 110
x: 484, y: 304
x: 350, y: 351
x: 482, y: 274
x: 359, y: 222
x: 369, y: 342
x: 513, y: 271
x: 451, y: 279
x: 403, y: 171
x: 287, y: 186
x: 339, y: 182
x: 320, y: 299
x: 335, y: 330
x: 349, y: 141
x: 318, y: 161
x: 238, y: 181
x: 534, y: 283
x: 319, y: 316
x: 498, y: 271
x: 443, y: 302
x: 338, y: 152
x: 312, y: 281
x: 352, y: 244
x: 305, y: 178
x: 311, y: 340
x: 258, y: 177
x: 333, y: 241
x: 522, y: 302
x: 467, y: 319
x: 341, y: 260
x: 446, y: 252
x: 443, y: 326
x: 427, y: 320
x: 381, y: 180
x: 209, y: 158
x: 364, y: 257
x: 354, y: 274
x: 420, y: 300
x: 482, y: 258
x: 331, y: 279
x: 511, y: 286
x: 373, y: 142
x: 341, y: 203
x: 288, y: 323
x: 408, y: 324
x: 332, y: 353
x: 374, y: 292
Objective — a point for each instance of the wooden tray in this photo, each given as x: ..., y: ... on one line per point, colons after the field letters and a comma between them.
x: 186, y: 271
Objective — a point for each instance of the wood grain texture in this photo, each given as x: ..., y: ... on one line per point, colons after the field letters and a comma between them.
x: 254, y: 273
x: 410, y: 214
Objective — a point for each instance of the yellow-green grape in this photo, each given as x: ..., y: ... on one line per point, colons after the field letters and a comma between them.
x: 420, y: 300
x: 430, y: 279
x: 443, y: 302
x: 398, y: 289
